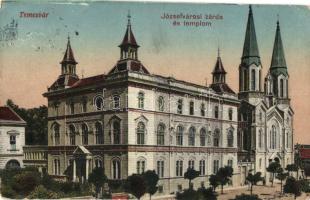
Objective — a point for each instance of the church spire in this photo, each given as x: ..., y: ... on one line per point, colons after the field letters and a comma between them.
x: 278, y: 63
x: 129, y: 38
x: 69, y: 56
x: 250, y: 48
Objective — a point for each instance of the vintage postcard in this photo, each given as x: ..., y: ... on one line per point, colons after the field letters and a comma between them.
x: 122, y: 100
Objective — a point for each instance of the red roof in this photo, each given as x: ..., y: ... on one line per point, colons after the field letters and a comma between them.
x: 6, y: 113
x: 89, y: 81
x: 304, y: 153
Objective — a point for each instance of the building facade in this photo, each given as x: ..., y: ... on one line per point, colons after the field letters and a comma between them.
x: 12, y: 138
x: 129, y: 120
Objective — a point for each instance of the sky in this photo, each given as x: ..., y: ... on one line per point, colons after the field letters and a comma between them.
x: 30, y: 64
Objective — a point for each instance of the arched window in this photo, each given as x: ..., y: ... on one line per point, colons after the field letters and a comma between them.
x: 160, y: 168
x: 140, y: 133
x: 141, y: 100
x: 281, y: 88
x: 116, y: 102
x: 230, y: 138
x: 216, y: 138
x: 98, y: 163
x: 56, y: 134
x: 191, y: 136
x: 12, y: 164
x: 180, y: 106
x: 202, y: 109
x: 216, y: 112
x: 116, y: 169
x: 161, y: 103
x: 72, y: 134
x: 161, y: 134
x: 191, y: 108
x: 99, y: 133
x: 253, y: 80
x: 179, y: 135
x: 84, y: 134
x: 203, y: 137
x: 260, y: 139
x: 202, y: 167
x: 98, y: 102
x: 116, y: 130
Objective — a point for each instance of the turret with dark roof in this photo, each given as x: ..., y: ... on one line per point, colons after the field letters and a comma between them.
x: 69, y: 56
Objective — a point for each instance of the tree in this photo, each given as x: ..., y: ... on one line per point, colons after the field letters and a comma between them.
x: 214, y: 181
x: 253, y: 179
x: 272, y: 169
x: 291, y: 168
x: 206, y: 193
x: 151, y: 179
x: 191, y: 174
x: 97, y: 178
x: 281, y: 176
x: 187, y: 194
x: 25, y: 182
x: 292, y: 186
x: 135, y: 184
x: 224, y: 174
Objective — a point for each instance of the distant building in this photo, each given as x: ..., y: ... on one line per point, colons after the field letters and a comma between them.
x: 12, y: 138
x: 303, y: 152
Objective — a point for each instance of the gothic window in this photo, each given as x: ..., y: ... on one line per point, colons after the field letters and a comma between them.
x: 191, y: 164
x: 230, y: 114
x: 202, y: 167
x: 140, y: 166
x: 191, y: 108
x: 160, y: 168
x: 179, y: 135
x: 260, y: 116
x: 98, y: 102
x: 141, y: 100
x: 191, y: 136
x: 98, y: 163
x: 84, y: 134
x: 13, y: 142
x: 116, y: 169
x: 99, y: 133
x: 72, y: 134
x: 161, y: 103
x: 216, y: 112
x: 56, y: 134
x: 216, y: 138
x: 56, y: 166
x: 245, y: 83
x: 71, y: 108
x: 253, y: 80
x: 180, y: 106
x: 161, y: 134
x: 140, y: 133
x: 281, y: 88
x: 116, y: 130
x: 179, y: 168
x: 230, y: 138
x: 203, y: 137
x: 116, y: 102
x: 273, y: 137
x: 287, y: 144
x: 202, y: 109
x: 216, y: 165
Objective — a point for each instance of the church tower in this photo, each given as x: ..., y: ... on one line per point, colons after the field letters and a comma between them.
x: 68, y: 63
x: 276, y: 81
x: 219, y: 72
x: 250, y: 67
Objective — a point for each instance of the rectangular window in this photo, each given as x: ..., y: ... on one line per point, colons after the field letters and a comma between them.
x: 260, y: 163
x: 179, y: 168
x: 191, y: 164
x: 160, y: 189
x: 140, y: 167
x: 71, y: 108
x: 202, y: 167
x: 84, y: 106
x: 230, y: 163
x: 202, y: 110
x: 160, y: 168
x: 230, y: 114
x: 13, y: 142
x: 180, y: 106
x: 215, y: 166
x: 191, y: 108
x: 216, y: 112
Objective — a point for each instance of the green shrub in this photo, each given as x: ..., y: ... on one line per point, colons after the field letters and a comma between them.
x: 40, y: 192
x: 25, y: 182
x: 7, y: 191
x: 304, y: 185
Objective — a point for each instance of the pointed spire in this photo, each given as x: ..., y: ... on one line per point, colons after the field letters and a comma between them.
x: 69, y: 56
x: 218, y: 68
x: 250, y: 48
x: 278, y: 63
x: 129, y: 38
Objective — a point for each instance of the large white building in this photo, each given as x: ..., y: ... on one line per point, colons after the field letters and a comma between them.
x: 130, y: 120
x: 12, y: 138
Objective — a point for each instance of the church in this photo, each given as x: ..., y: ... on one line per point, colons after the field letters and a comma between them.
x: 130, y: 120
